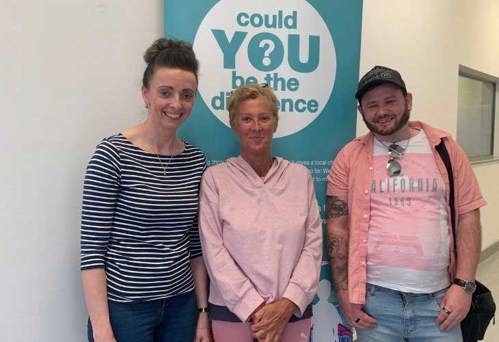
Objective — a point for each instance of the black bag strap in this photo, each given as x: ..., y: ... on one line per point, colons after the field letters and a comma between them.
x: 444, y: 154
x: 482, y: 299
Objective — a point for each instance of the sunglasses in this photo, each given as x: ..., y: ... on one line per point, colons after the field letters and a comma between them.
x: 395, y: 152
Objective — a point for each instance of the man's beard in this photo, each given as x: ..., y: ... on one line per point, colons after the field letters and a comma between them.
x: 402, y: 121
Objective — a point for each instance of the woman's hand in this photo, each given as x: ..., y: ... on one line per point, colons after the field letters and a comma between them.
x: 104, y: 336
x: 270, y: 320
x: 94, y: 288
x: 203, y: 330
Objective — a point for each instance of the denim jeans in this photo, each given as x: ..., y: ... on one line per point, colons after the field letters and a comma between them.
x: 403, y: 316
x: 166, y: 320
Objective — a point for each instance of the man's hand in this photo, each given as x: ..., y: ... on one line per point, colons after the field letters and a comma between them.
x: 354, y: 313
x: 457, y: 302
x: 271, y: 319
x: 454, y: 307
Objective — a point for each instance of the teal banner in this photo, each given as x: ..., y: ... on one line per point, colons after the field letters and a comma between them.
x: 308, y: 52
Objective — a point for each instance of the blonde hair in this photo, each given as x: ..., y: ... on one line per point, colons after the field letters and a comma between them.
x: 251, y: 92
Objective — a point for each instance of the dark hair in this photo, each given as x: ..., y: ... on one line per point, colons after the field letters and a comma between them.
x: 169, y: 53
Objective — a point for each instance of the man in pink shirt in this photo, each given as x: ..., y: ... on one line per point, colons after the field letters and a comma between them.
x: 397, y: 274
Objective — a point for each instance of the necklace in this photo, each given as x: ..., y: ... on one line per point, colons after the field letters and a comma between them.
x: 163, y: 165
x: 396, y: 153
x: 170, y: 158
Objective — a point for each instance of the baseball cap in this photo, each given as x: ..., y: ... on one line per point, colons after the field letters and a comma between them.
x: 376, y: 76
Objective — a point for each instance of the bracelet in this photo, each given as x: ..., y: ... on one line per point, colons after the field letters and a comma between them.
x: 205, y: 309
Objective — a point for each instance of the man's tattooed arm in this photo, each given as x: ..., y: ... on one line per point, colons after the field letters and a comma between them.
x: 337, y: 240
x: 336, y: 207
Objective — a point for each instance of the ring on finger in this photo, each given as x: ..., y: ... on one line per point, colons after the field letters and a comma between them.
x: 357, y: 320
x: 447, y: 311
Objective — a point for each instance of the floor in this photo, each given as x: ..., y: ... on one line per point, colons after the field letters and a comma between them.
x: 488, y: 273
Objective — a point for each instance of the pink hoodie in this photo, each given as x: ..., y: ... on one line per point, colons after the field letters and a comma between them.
x: 261, y: 238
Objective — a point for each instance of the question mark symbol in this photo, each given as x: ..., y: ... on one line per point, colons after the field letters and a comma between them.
x: 268, y: 46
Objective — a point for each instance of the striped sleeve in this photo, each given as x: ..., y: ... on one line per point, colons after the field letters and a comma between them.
x: 194, y: 239
x: 100, y: 191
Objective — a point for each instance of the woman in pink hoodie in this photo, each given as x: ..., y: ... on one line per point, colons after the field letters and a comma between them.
x: 260, y: 231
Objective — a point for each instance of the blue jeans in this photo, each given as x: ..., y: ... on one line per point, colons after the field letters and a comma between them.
x: 405, y: 316
x: 166, y: 320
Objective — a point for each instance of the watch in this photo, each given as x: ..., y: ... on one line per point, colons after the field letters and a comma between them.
x: 468, y: 286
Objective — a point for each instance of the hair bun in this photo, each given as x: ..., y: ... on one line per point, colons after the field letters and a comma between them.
x: 162, y: 44
x: 169, y: 53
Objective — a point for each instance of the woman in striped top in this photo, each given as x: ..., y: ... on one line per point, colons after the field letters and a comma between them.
x: 142, y: 269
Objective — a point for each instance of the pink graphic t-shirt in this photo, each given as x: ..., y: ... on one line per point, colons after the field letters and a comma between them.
x: 408, y: 243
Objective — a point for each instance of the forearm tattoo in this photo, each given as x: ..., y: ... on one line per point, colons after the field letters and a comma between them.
x: 337, y: 245
x: 338, y: 260
x: 336, y: 207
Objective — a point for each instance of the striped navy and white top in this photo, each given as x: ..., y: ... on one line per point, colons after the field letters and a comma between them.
x: 139, y: 219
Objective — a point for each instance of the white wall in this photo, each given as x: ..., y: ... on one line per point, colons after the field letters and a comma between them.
x: 426, y: 40
x: 70, y: 75
x: 478, y: 23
